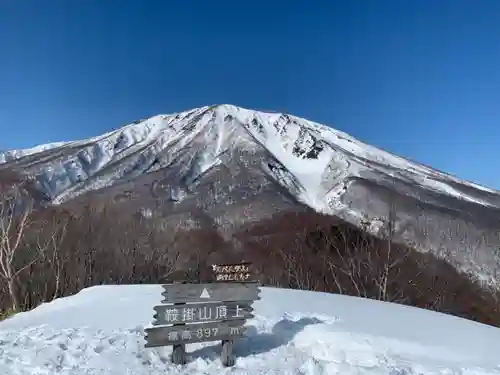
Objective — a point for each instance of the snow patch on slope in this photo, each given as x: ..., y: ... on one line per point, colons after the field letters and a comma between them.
x: 100, y: 330
x: 6, y: 156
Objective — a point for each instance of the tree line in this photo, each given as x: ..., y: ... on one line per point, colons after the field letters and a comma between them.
x: 51, y: 252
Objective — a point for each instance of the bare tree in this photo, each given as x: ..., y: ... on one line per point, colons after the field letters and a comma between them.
x: 347, y: 261
x: 48, y: 243
x: 389, y: 258
x: 15, y: 218
x: 164, y: 246
x: 298, y: 266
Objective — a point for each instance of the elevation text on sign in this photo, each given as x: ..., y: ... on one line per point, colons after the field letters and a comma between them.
x: 189, y: 333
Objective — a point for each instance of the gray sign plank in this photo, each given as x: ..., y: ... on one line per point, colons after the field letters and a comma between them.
x: 202, y: 312
x: 210, y: 292
x: 190, y: 333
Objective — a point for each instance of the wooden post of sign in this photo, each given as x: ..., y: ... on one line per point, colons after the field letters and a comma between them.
x: 227, y: 357
x: 179, y: 350
x: 237, y: 273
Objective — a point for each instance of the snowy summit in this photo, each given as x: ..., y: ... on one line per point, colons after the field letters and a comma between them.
x: 241, y: 165
x: 100, y: 331
x: 317, y: 161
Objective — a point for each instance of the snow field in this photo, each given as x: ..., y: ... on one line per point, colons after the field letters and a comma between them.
x: 100, y: 331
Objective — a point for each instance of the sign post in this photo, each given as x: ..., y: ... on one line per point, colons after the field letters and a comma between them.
x: 179, y: 350
x: 199, y: 312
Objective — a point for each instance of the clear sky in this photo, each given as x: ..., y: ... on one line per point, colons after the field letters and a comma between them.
x: 420, y: 78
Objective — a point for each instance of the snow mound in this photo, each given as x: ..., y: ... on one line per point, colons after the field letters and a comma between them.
x: 100, y: 331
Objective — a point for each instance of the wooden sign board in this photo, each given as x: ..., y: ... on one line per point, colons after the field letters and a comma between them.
x: 191, y: 333
x: 202, y: 312
x: 210, y: 292
x: 213, y: 311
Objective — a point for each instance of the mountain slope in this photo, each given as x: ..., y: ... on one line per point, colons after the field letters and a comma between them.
x: 237, y: 164
x: 309, y: 151
x: 321, y: 334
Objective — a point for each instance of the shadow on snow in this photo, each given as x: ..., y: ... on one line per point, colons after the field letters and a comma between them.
x: 254, y: 343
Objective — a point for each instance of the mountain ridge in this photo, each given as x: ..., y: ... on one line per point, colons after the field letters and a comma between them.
x: 13, y: 154
x: 222, y: 157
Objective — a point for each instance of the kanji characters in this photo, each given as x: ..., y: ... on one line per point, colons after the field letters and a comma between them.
x: 220, y: 312
x: 205, y: 313
x: 173, y: 335
x: 188, y: 314
x: 238, y: 311
x: 171, y: 315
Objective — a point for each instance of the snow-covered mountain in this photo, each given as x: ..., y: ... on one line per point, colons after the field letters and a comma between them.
x: 101, y: 331
x: 239, y: 164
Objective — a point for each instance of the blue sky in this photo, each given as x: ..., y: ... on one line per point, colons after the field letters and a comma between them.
x: 418, y: 78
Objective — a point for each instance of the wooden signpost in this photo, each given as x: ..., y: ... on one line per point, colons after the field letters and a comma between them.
x: 202, y: 312
x: 199, y: 312
x: 215, y: 291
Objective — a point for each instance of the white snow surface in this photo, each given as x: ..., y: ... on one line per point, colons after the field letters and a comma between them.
x: 16, y: 154
x: 100, y: 331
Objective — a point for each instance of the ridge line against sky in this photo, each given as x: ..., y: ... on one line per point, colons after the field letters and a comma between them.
x: 420, y: 79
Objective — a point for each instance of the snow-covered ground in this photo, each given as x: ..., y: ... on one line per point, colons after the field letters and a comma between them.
x: 100, y: 331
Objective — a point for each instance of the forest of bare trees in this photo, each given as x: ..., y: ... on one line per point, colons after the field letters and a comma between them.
x: 50, y: 252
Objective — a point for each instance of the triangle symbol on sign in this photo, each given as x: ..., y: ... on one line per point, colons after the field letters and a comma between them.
x: 204, y: 294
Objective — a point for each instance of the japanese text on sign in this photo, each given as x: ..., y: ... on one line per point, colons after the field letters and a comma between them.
x: 200, y: 333
x: 232, y: 276
x: 187, y: 314
x: 235, y: 268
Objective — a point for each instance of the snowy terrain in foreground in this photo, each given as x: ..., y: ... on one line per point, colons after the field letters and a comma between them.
x: 100, y: 331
